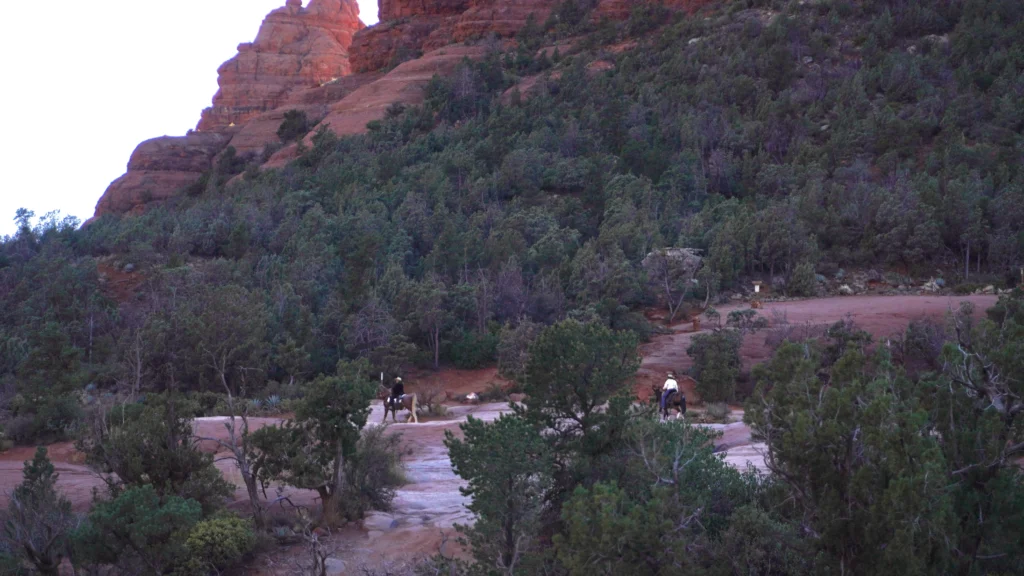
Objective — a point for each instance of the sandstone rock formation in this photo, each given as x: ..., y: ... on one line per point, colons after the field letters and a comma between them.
x: 296, y: 48
x: 298, y: 60
x: 404, y: 85
x: 303, y: 58
x: 255, y: 134
x: 409, y: 28
x: 159, y: 169
x: 620, y: 9
x: 395, y: 9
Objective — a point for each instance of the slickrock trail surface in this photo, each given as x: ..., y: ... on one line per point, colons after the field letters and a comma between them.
x: 431, y: 502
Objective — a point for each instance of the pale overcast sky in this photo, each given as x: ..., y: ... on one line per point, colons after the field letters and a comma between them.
x: 85, y: 82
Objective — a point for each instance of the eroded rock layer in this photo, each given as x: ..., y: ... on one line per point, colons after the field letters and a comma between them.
x: 296, y: 48
x: 303, y: 58
x: 159, y: 169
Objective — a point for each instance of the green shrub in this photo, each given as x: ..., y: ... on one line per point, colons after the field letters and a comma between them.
x: 514, y: 348
x: 717, y: 411
x: 965, y: 288
x: 494, y: 393
x: 217, y: 543
x: 474, y: 350
x: 294, y: 126
x: 138, y: 532
x: 802, y: 282
x: 716, y: 364
x: 49, y: 421
x: 374, y: 473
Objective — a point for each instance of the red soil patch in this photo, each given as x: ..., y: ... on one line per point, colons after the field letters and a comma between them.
x: 117, y: 284
x: 455, y: 382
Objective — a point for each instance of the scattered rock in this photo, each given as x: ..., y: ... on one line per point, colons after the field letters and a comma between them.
x: 334, y: 567
x: 840, y: 274
x: 693, y: 41
x: 472, y: 398
x: 808, y: 59
x: 932, y: 286
x: 129, y: 267
x: 845, y: 290
x: 821, y: 279
x: 379, y: 522
x: 986, y: 290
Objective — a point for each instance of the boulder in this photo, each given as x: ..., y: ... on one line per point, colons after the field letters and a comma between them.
x: 334, y: 567
x: 379, y: 522
x: 845, y: 290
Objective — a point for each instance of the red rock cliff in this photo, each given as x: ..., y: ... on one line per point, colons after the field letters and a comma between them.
x: 298, y: 61
x: 296, y: 48
x: 409, y: 28
x: 294, y: 61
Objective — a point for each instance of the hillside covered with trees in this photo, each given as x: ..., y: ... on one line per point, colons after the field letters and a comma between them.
x: 512, y: 212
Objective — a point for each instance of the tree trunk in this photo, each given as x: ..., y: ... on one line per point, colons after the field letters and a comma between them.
x: 258, y: 517
x: 330, y: 494
x: 967, y: 261
x: 437, y: 347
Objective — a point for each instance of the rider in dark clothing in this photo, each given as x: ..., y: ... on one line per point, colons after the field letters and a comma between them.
x: 397, y: 391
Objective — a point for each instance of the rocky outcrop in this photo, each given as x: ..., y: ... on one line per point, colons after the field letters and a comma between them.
x: 299, y: 60
x: 296, y: 48
x: 620, y: 9
x: 303, y: 59
x: 395, y: 9
x: 392, y: 42
x: 405, y: 84
x: 254, y: 136
x: 409, y: 28
x: 501, y: 17
x: 159, y: 169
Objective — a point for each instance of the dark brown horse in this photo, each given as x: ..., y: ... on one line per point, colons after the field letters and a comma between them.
x: 675, y: 401
x: 408, y: 402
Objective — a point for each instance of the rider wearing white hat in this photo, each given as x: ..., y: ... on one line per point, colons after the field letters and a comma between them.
x: 670, y: 386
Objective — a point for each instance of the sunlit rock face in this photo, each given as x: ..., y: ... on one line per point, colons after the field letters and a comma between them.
x: 296, y: 48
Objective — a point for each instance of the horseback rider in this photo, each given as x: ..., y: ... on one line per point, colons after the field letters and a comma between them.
x: 397, y: 391
x: 670, y: 387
